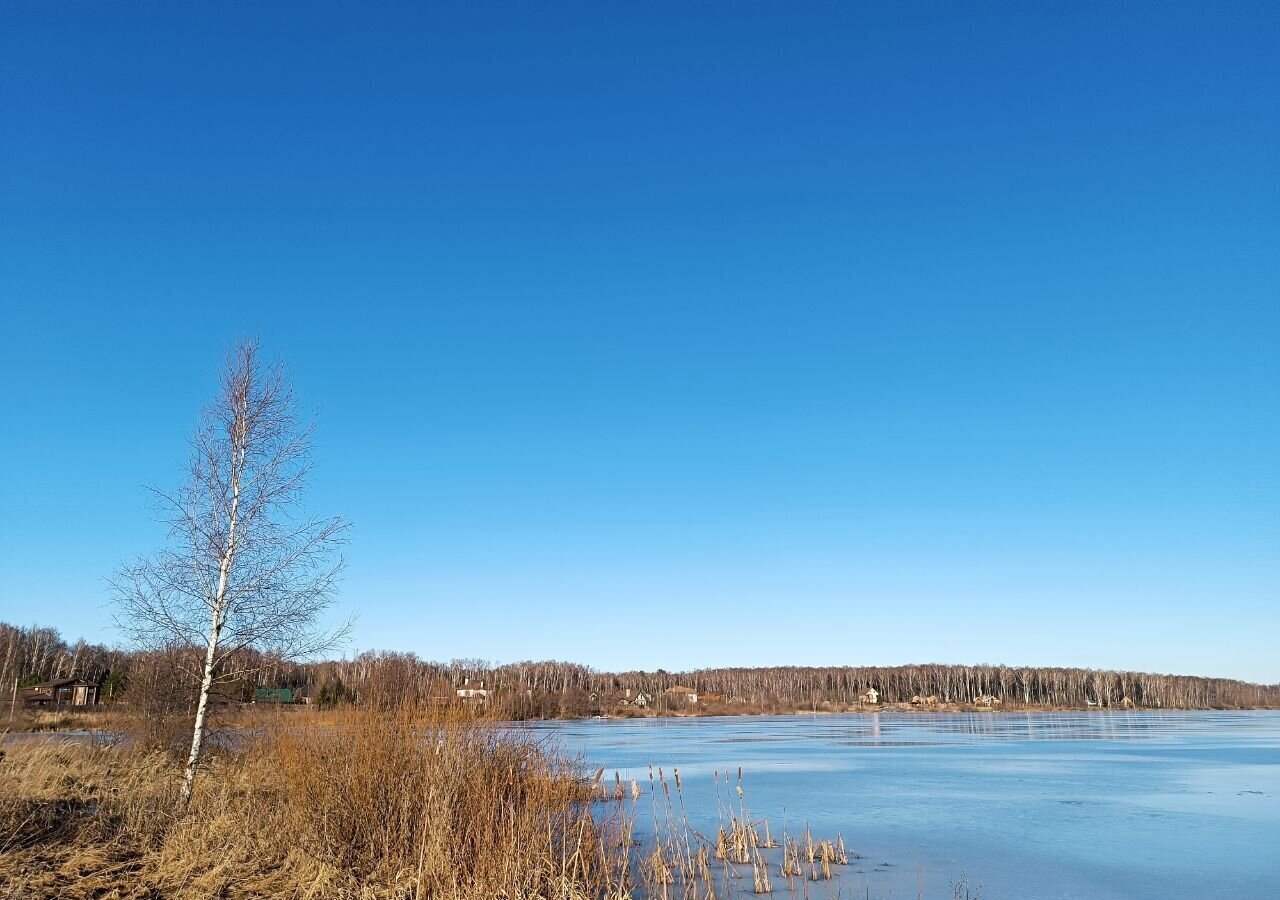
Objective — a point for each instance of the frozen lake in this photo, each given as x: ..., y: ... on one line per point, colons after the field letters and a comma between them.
x: 1086, y: 806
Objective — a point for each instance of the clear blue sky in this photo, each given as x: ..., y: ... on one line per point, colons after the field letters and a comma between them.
x: 672, y: 335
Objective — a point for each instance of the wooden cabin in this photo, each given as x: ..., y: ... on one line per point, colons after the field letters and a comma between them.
x: 62, y: 692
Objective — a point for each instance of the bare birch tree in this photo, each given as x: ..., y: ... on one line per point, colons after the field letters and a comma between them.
x: 244, y: 566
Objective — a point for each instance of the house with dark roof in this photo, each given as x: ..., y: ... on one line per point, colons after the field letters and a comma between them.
x: 62, y: 692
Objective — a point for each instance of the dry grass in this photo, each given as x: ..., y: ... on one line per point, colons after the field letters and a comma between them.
x: 376, y: 806
x: 18, y: 718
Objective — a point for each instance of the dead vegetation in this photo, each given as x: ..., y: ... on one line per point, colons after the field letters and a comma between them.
x: 16, y: 717
x: 682, y: 863
x: 386, y: 806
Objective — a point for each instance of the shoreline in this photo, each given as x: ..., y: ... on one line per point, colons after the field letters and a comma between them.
x: 910, y: 710
x: 99, y: 722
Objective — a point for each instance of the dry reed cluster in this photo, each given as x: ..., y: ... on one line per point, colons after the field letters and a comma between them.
x: 682, y: 863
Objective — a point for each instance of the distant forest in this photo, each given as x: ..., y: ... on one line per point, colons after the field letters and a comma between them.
x: 560, y: 689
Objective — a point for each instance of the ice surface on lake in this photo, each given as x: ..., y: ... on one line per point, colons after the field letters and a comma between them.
x: 1086, y: 806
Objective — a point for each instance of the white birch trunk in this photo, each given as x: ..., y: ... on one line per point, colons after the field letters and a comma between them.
x: 197, y: 735
x: 219, y: 608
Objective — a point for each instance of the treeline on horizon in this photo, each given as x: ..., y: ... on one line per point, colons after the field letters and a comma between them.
x: 559, y: 689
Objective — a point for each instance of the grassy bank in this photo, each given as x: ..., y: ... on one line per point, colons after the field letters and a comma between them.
x: 390, y: 805
x: 14, y: 717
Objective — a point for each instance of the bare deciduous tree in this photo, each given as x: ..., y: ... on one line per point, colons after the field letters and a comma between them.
x: 244, y: 567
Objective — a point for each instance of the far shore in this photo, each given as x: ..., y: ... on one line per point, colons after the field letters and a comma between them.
x: 108, y: 720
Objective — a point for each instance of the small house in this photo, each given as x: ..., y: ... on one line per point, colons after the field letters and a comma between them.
x: 273, y: 695
x: 642, y: 699
x: 872, y: 696
x: 62, y: 692
x: 470, y: 691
